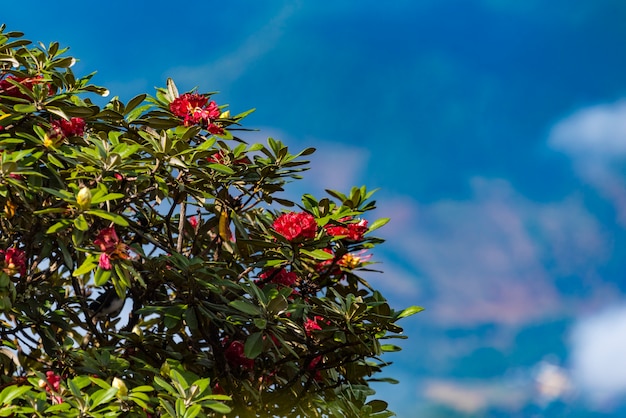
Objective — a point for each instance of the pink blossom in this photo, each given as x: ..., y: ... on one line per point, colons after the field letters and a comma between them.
x: 109, y: 243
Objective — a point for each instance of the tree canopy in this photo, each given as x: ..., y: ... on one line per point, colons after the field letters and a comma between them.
x: 151, y: 266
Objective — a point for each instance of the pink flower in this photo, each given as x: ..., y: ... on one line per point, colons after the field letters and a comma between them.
x: 279, y: 276
x: 193, y: 221
x: 14, y: 261
x: 109, y: 243
x: 295, y: 226
x: 195, y: 109
x: 104, y: 262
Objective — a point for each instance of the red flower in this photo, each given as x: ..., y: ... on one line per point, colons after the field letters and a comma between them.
x: 311, y: 325
x: 72, y: 127
x: 194, y: 109
x: 214, y: 129
x: 61, y: 128
x: 14, y: 261
x: 218, y: 158
x: 294, y: 226
x: 235, y: 356
x: 7, y: 88
x: 193, y: 221
x: 352, y: 231
x: 313, y: 367
x: 54, y: 385
x: 281, y: 276
x: 108, y: 242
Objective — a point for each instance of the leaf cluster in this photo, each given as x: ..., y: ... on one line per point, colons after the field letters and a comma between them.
x: 223, y: 314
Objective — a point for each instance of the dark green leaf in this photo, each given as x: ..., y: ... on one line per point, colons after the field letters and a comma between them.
x: 254, y: 345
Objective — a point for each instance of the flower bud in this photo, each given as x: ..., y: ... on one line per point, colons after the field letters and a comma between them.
x: 137, y: 331
x: 225, y: 115
x: 119, y: 384
x: 83, y: 198
x: 9, y: 209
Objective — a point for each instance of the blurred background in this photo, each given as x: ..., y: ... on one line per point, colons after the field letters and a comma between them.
x: 496, y: 132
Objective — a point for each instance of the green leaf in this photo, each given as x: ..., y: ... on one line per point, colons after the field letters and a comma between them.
x: 110, y: 196
x: 55, y: 161
x: 245, y: 307
x: 101, y: 277
x: 113, y: 217
x: 193, y: 411
x: 390, y: 348
x: 378, y: 223
x: 168, y: 407
x: 254, y: 345
x: 159, y: 382
x: 25, y: 108
x: 221, y: 168
x: 81, y: 223
x: 102, y: 396
x: 410, y: 311
x: 318, y: 254
x: 218, y: 407
x: 87, y: 266
x: 59, y: 226
x: 12, y: 392
x: 134, y: 102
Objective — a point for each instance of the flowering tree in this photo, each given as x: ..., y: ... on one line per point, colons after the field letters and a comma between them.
x: 148, y: 268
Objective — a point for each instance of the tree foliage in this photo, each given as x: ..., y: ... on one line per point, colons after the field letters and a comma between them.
x: 149, y: 266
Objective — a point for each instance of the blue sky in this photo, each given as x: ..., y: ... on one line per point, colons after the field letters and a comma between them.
x: 496, y: 132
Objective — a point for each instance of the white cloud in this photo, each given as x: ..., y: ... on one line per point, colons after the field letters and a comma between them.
x: 597, y: 131
x: 598, y: 356
x: 471, y: 397
x: 595, y: 138
x: 493, y: 258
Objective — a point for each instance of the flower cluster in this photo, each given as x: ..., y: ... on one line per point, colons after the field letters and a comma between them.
x: 296, y: 225
x: 109, y: 243
x: 53, y: 386
x: 8, y: 87
x: 279, y: 276
x: 13, y: 261
x: 196, y: 109
x: 352, y: 231
x: 61, y: 129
